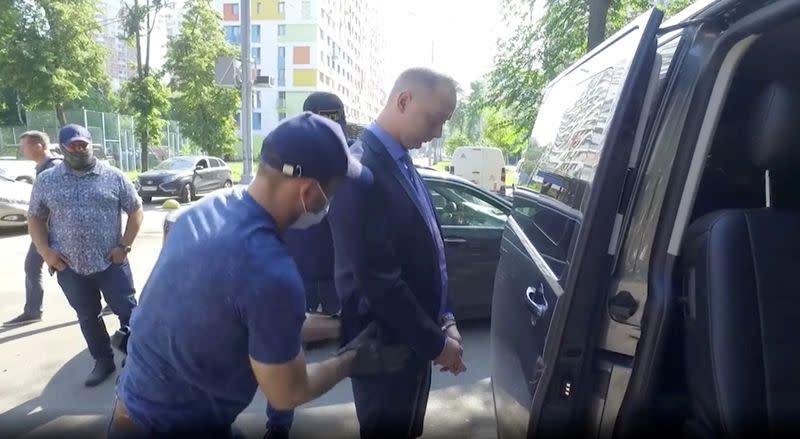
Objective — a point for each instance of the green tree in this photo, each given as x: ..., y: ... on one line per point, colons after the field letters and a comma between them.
x: 148, y: 99
x: 540, y: 47
x: 49, y: 54
x: 499, y: 131
x: 204, y: 110
x: 145, y: 95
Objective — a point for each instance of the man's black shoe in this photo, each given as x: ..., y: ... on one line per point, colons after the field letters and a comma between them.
x: 23, y: 319
x: 276, y: 432
x: 103, y: 368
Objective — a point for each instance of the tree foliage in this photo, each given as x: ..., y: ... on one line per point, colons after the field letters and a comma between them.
x: 144, y: 95
x: 541, y: 47
x: 148, y: 99
x: 204, y: 110
x: 475, y: 122
x: 48, y: 51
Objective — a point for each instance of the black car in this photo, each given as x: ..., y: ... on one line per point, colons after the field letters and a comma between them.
x: 184, y: 177
x: 647, y: 278
x: 472, y: 221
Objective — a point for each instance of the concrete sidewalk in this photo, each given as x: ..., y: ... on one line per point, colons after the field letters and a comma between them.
x: 43, y: 365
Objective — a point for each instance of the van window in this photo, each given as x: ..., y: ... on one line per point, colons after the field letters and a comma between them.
x: 571, y: 124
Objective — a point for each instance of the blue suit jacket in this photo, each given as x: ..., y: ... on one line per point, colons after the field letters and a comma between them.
x: 386, y: 265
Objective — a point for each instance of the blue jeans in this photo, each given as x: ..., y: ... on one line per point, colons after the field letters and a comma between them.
x: 34, y: 293
x: 83, y: 294
x: 279, y: 418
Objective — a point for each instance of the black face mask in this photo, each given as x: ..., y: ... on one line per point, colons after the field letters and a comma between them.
x: 79, y: 160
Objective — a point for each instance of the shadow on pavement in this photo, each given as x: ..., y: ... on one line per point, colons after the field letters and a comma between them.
x: 32, y: 332
x: 88, y: 409
x: 458, y: 407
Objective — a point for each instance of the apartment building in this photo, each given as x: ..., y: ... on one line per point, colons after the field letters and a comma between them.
x: 313, y: 45
x: 120, y: 57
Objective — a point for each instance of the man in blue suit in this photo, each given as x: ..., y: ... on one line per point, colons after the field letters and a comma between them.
x: 390, y: 262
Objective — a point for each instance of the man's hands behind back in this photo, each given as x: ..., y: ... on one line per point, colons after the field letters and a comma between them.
x: 371, y: 356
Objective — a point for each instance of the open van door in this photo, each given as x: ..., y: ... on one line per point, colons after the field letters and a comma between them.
x: 558, y: 245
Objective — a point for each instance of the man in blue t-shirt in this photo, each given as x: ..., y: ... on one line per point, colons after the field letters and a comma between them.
x: 221, y: 313
x: 312, y: 251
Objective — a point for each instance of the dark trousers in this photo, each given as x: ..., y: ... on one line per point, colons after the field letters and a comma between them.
x: 393, y: 405
x: 83, y: 294
x: 34, y: 293
x: 321, y: 296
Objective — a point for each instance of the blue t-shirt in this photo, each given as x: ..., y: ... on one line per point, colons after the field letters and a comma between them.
x: 223, y: 289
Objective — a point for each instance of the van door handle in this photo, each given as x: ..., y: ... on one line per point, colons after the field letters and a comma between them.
x: 455, y: 240
x: 536, y: 302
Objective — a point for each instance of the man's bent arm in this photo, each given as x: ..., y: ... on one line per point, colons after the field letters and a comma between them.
x: 37, y: 228
x: 361, y: 236
x: 132, y: 226
x: 291, y: 384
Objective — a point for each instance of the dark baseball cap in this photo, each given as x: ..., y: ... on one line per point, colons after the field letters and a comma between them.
x: 312, y: 146
x: 74, y: 133
x: 326, y: 104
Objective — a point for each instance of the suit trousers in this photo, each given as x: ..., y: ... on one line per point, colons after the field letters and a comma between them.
x: 393, y: 405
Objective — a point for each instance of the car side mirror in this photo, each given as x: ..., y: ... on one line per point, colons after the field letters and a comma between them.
x: 198, y: 168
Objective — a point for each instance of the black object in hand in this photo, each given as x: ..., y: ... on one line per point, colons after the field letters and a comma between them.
x: 119, y: 340
x: 372, y: 356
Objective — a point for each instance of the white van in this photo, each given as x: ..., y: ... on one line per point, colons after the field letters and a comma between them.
x: 480, y: 165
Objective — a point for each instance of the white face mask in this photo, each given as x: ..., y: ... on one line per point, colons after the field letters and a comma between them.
x: 310, y: 219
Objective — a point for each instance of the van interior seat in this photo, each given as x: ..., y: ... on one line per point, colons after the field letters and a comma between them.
x: 740, y: 270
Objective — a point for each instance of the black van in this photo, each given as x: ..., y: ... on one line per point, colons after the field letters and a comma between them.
x: 646, y: 280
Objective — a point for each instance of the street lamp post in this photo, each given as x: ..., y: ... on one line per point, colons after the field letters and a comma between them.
x: 247, y: 95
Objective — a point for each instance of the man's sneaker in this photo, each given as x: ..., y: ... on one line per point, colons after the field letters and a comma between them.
x: 23, y: 319
x: 103, y: 368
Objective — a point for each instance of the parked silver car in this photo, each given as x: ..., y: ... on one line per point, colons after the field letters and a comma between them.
x: 14, y: 198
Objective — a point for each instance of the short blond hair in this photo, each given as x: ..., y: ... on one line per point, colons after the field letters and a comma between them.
x: 39, y: 137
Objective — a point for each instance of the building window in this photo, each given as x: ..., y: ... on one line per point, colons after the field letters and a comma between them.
x: 281, y: 29
x: 258, y: 99
x: 255, y: 33
x: 281, y: 77
x: 281, y: 7
x: 232, y: 34
x: 235, y: 7
x: 255, y: 53
x: 305, y: 9
x: 257, y: 121
x: 281, y: 57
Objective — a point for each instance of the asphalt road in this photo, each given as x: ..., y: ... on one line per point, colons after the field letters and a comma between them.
x: 43, y: 365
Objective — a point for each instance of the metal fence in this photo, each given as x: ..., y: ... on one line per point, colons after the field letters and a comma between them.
x: 113, y: 136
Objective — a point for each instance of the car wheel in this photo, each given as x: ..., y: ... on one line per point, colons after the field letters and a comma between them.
x: 186, y: 194
x: 227, y: 184
x: 147, y: 200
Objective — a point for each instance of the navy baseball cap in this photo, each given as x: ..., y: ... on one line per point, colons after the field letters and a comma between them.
x: 312, y: 146
x: 326, y: 104
x: 73, y: 133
